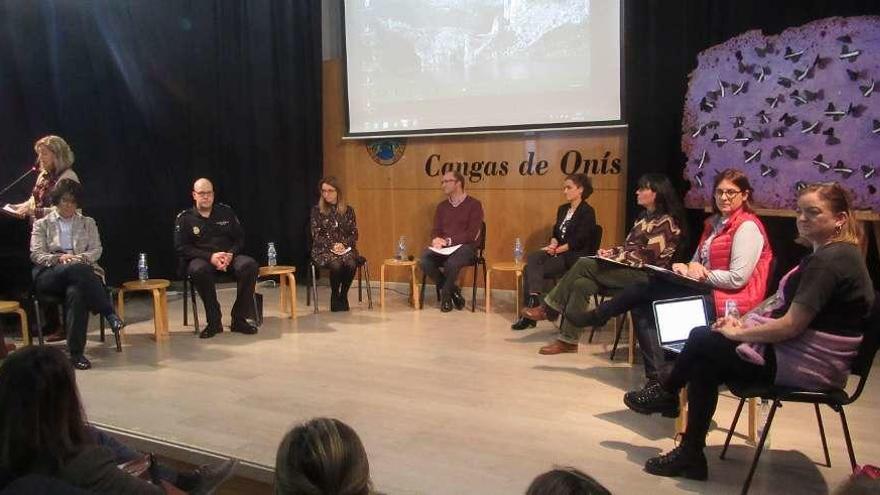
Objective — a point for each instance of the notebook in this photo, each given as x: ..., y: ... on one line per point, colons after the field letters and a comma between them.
x: 675, y: 318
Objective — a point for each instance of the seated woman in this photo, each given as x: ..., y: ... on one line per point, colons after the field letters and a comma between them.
x: 652, y: 240
x: 806, y: 336
x: 65, y: 248
x: 323, y: 456
x: 572, y: 239
x: 334, y: 235
x: 733, y: 258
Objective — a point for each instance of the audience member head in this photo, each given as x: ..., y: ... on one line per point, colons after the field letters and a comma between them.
x: 203, y: 194
x: 566, y: 481
x: 42, y: 423
x: 580, y: 183
x: 322, y: 456
x: 53, y: 154
x: 331, y: 194
x: 732, y: 191
x: 452, y: 183
x: 825, y: 215
x: 66, y: 197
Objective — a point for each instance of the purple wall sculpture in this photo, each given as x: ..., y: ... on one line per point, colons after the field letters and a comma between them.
x: 788, y: 110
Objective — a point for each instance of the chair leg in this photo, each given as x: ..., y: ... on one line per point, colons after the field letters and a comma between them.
x: 620, y: 323
x: 101, y: 324
x: 760, y: 447
x: 192, y: 295
x: 39, y: 314
x: 185, y: 309
x: 846, y: 435
x: 422, y: 291
x: 360, y: 283
x: 474, y: 292
x: 314, y: 288
x: 369, y: 290
x: 822, y: 435
x: 739, y: 409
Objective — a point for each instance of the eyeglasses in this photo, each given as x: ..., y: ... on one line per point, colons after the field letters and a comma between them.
x: 327, y: 191
x: 446, y: 181
x: 203, y: 193
x: 727, y: 193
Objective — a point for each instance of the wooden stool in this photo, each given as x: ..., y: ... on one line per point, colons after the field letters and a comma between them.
x: 286, y: 285
x: 14, y: 307
x: 505, y: 266
x: 413, y: 283
x: 160, y: 303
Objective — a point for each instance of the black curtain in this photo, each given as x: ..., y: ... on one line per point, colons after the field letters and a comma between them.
x: 662, y: 40
x: 154, y: 94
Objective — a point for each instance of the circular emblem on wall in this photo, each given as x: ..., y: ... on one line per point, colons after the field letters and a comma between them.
x: 386, y: 151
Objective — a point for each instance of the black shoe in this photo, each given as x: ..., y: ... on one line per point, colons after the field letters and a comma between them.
x: 446, y: 304
x: 652, y: 399
x: 116, y: 324
x: 585, y: 318
x: 458, y: 300
x: 211, y: 476
x: 683, y: 460
x: 210, y: 331
x: 80, y: 362
x: 343, y: 303
x: 523, y: 323
x: 334, y: 304
x: 243, y: 327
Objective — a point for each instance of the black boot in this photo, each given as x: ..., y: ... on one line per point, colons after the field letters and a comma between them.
x: 686, y: 460
x: 445, y: 301
x: 533, y: 301
x: 652, y: 399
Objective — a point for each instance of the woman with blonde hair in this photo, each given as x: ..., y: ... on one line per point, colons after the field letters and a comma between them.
x: 334, y: 236
x: 323, y: 456
x: 805, y: 336
x: 55, y: 159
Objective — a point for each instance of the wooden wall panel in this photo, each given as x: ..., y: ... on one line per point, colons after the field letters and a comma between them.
x: 399, y: 199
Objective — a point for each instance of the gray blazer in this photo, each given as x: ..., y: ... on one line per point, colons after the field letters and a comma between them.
x: 46, y: 241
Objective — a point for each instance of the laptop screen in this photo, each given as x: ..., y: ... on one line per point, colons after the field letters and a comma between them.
x: 677, y: 317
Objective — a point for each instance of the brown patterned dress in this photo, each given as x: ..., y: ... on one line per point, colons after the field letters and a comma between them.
x: 328, y: 229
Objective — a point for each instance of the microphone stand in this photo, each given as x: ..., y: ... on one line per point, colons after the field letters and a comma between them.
x: 16, y: 181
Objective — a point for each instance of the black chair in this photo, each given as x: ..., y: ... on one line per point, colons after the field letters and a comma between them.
x: 43, y: 298
x: 835, y: 399
x: 363, y: 271
x: 479, y: 259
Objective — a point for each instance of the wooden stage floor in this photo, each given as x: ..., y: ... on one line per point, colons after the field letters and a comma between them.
x: 445, y: 403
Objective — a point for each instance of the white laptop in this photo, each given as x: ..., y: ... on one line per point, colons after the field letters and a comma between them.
x: 675, y: 318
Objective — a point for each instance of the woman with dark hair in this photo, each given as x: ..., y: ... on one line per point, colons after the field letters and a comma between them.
x: 55, y: 159
x: 572, y: 238
x: 653, y: 240
x: 323, y: 456
x: 566, y: 481
x: 65, y: 248
x: 334, y: 236
x: 805, y: 336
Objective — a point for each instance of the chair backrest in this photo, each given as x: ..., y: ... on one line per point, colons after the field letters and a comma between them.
x: 863, y: 361
x: 597, y: 240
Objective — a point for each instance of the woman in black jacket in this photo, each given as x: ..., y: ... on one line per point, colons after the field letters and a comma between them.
x: 572, y: 238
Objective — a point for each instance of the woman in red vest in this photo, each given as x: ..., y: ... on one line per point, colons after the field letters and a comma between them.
x: 733, y: 255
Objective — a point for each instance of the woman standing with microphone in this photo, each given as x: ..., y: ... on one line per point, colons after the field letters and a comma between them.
x: 55, y: 161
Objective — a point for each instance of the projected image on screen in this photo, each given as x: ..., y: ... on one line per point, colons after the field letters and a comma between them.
x: 462, y: 64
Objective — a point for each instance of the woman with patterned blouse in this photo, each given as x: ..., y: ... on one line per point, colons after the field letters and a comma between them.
x: 55, y: 159
x: 334, y: 236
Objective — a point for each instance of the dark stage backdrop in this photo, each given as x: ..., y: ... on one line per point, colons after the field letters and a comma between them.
x: 153, y: 94
x: 663, y: 38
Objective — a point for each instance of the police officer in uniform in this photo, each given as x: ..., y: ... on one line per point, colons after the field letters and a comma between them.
x: 209, y: 238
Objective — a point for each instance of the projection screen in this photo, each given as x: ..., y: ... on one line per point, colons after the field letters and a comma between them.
x: 461, y: 66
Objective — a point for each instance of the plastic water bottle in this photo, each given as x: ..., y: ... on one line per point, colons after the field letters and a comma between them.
x: 401, y: 248
x: 730, y: 309
x: 143, y: 270
x: 517, y: 250
x: 272, y: 255
x: 763, y: 414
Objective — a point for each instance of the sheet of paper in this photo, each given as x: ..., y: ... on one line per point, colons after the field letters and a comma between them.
x: 445, y: 251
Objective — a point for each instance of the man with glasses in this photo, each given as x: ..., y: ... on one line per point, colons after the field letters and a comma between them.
x: 457, y: 223
x: 209, y: 238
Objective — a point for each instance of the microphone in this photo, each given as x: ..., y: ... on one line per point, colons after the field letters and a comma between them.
x: 32, y: 169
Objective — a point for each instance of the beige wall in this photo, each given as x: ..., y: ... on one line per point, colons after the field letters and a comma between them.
x: 399, y: 199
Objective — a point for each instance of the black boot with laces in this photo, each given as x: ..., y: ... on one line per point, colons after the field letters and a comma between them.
x: 652, y: 399
x: 686, y: 460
